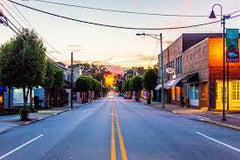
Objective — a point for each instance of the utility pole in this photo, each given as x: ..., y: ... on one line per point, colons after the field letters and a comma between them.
x: 71, y: 79
x: 162, y: 71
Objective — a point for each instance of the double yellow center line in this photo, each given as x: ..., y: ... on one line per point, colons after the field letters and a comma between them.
x: 120, y: 137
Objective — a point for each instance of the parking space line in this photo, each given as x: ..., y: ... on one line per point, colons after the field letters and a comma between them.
x: 219, y: 142
x: 23, y: 145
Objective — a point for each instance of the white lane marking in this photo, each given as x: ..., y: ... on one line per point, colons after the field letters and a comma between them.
x: 86, y: 110
x: 219, y: 142
x: 23, y: 145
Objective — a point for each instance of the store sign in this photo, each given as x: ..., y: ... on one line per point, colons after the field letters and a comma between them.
x: 232, y: 36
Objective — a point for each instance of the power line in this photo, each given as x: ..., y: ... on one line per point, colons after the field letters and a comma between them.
x: 29, y: 24
x: 17, y: 32
x: 22, y: 20
x: 155, y: 50
x: 115, y: 26
x: 120, y: 11
x: 10, y: 14
x: 25, y: 20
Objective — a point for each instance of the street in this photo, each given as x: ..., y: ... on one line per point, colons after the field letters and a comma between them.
x: 113, y: 128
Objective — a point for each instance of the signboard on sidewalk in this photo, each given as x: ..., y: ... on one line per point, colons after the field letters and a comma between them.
x: 232, y: 45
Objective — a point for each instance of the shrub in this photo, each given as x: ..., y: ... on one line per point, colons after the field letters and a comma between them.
x: 24, y: 112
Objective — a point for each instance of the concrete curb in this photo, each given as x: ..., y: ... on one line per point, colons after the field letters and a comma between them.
x: 206, y: 120
x: 40, y: 119
x: 220, y: 124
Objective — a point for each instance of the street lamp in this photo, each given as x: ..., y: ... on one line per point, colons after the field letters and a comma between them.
x: 158, y: 37
x: 223, y: 18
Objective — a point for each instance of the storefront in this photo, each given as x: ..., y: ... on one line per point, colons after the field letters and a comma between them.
x: 191, y: 89
x: 174, y: 91
x: 234, y: 95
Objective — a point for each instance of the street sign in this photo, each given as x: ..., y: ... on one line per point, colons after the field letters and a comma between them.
x: 232, y: 45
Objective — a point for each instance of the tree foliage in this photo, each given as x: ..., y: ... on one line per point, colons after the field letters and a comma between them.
x: 149, y: 82
x: 22, y: 62
x: 50, y: 75
x: 88, y: 83
x: 94, y: 70
x: 149, y: 79
x: 136, y: 83
x: 58, y: 79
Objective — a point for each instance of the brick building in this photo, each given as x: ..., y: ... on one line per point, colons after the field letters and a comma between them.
x: 197, y: 62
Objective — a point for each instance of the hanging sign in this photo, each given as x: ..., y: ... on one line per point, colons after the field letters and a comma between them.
x: 232, y: 45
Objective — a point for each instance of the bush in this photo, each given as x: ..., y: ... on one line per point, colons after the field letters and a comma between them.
x: 24, y: 112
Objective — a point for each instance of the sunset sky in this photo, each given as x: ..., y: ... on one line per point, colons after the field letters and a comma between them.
x: 115, y: 47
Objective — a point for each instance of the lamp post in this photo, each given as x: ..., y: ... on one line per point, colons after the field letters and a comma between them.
x: 223, y: 18
x: 158, y: 37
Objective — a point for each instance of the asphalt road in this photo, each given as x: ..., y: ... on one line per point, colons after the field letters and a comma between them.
x: 116, y: 129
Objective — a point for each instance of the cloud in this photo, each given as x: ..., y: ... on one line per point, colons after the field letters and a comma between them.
x: 73, y: 48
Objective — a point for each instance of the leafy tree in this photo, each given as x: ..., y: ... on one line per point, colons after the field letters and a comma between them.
x: 49, y: 76
x: 22, y: 62
x: 82, y: 86
x: 120, y: 87
x: 58, y: 79
x: 149, y: 82
x: 58, y: 83
x: 94, y: 70
x: 49, y: 81
x: 86, y: 84
x: 137, y: 86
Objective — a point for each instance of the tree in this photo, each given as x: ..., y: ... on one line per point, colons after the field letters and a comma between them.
x: 137, y: 86
x: 22, y: 62
x: 149, y: 82
x: 58, y: 79
x: 86, y: 84
x: 49, y: 81
x: 58, y: 83
x: 82, y: 86
x: 94, y: 70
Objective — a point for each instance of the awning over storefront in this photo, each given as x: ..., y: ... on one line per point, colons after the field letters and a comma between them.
x: 191, y: 78
x: 172, y: 83
x: 158, y: 86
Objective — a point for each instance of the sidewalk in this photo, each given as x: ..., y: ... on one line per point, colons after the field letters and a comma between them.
x: 8, y: 122
x: 233, y: 119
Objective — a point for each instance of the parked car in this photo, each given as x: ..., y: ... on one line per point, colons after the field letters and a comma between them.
x: 127, y: 96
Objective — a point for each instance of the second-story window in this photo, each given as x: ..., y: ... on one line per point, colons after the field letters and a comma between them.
x: 178, y: 65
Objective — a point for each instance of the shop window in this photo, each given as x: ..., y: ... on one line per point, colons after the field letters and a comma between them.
x: 194, y: 92
x: 178, y: 93
x: 173, y: 94
x: 236, y: 91
x: 178, y: 65
x: 1, y: 99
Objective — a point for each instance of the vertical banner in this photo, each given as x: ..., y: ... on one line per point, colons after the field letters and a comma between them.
x: 232, y: 45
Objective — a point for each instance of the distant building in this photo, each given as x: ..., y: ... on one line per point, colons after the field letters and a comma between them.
x: 197, y: 60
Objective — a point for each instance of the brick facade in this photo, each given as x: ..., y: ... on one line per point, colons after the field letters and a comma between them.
x: 202, y: 54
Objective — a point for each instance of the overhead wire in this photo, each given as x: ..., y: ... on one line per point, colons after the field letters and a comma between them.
x: 112, y: 26
x: 28, y: 23
x: 155, y: 50
x: 24, y: 19
x: 119, y: 11
x: 10, y: 14
x: 17, y: 32
x: 116, y: 26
